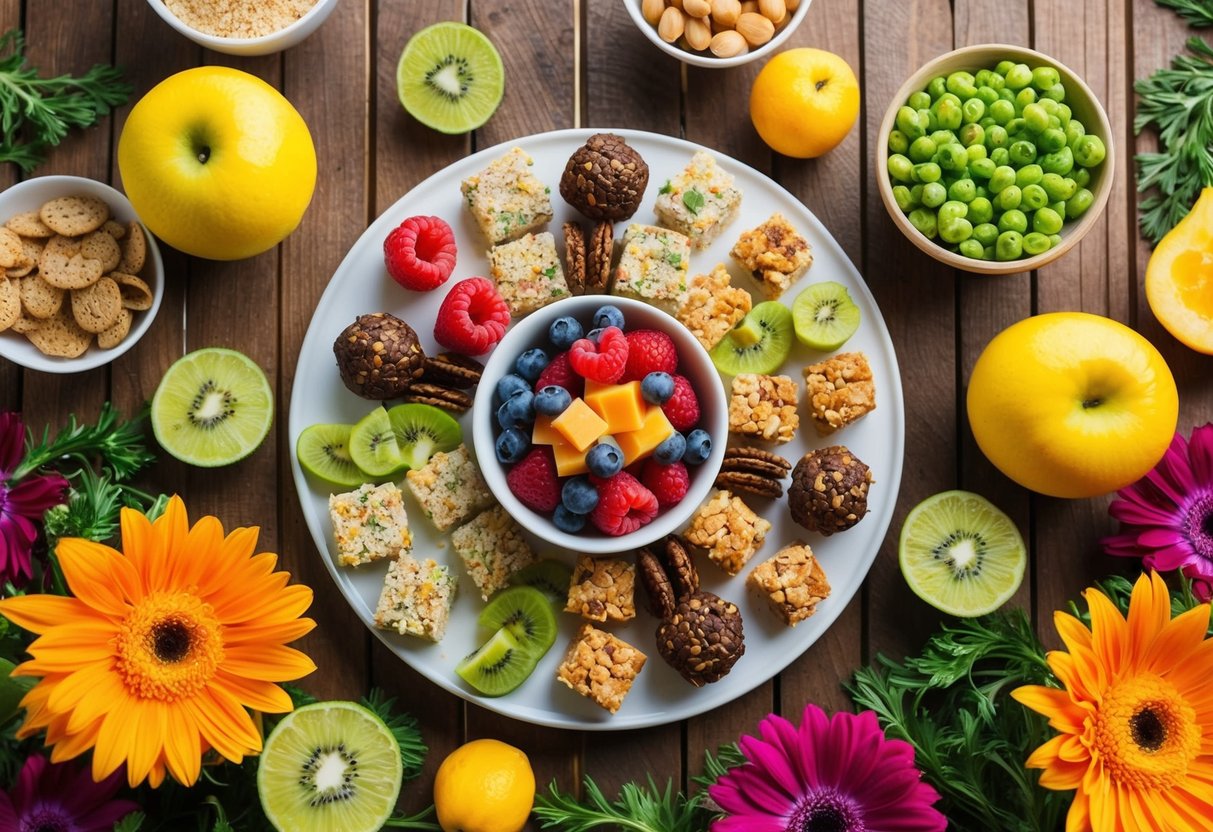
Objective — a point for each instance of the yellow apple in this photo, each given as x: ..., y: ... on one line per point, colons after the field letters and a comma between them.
x: 804, y: 102
x: 217, y: 163
x: 1071, y: 404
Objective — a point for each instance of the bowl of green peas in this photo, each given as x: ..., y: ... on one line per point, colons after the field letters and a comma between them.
x: 995, y: 159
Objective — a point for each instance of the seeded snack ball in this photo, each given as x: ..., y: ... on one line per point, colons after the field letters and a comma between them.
x: 379, y: 356
x: 829, y: 491
x: 702, y: 639
x: 605, y: 178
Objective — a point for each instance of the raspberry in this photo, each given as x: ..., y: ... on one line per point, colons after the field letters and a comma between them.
x: 602, y: 362
x: 420, y: 253
x: 624, y: 505
x: 560, y: 373
x: 534, y: 482
x: 683, y: 408
x: 649, y: 351
x: 472, y: 318
x: 669, y: 483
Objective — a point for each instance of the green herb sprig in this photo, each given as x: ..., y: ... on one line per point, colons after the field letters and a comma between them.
x: 118, y: 443
x: 1198, y: 13
x: 36, y: 113
x: 639, y: 808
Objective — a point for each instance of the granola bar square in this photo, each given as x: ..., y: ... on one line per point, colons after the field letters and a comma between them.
x: 764, y: 407
x: 506, y: 199
x: 699, y: 201
x: 653, y: 266
x: 492, y: 548
x: 370, y: 524
x: 775, y: 253
x: 840, y: 390
x: 729, y: 530
x: 528, y: 273
x: 600, y: 667
x: 713, y: 306
x: 602, y: 589
x: 416, y: 598
x: 792, y: 581
x: 449, y: 488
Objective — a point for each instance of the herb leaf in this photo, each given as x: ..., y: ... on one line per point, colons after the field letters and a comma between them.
x: 693, y: 200
x: 638, y: 809
x: 1198, y: 13
x: 119, y: 443
x: 404, y: 729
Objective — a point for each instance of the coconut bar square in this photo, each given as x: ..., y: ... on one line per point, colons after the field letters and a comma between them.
x: 775, y: 254
x: 602, y: 589
x: 840, y: 390
x: 449, y: 488
x: 653, y: 266
x: 506, y: 199
x: 792, y: 581
x: 601, y: 667
x: 712, y: 306
x: 764, y: 407
x: 416, y: 598
x: 492, y: 548
x: 370, y: 524
x: 729, y: 530
x: 699, y: 201
x: 527, y: 273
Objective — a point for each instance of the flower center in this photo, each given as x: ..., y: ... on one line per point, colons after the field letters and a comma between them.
x: 45, y: 820
x: 1146, y: 733
x: 1198, y: 525
x: 169, y: 647
x: 826, y: 811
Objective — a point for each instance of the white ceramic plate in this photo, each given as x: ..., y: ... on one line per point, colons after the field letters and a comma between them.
x: 660, y: 695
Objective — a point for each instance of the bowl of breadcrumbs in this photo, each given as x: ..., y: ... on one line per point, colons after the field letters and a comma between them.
x: 244, y: 27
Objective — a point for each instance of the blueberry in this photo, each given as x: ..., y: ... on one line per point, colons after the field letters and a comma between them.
x: 509, y: 385
x: 595, y: 334
x: 517, y: 410
x: 699, y: 447
x: 564, y: 331
x: 512, y: 445
x: 657, y: 388
x: 579, y: 495
x: 604, y: 460
x: 671, y: 449
x: 608, y: 316
x: 531, y: 363
x: 567, y: 521
x: 552, y: 400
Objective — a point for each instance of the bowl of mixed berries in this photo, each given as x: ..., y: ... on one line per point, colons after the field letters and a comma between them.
x: 600, y: 423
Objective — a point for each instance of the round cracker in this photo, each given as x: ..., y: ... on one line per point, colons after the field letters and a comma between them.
x: 39, y: 298
x: 134, y: 250
x: 114, y: 228
x: 11, y: 249
x: 97, y: 307
x: 103, y: 247
x: 60, y: 336
x: 29, y: 224
x: 73, y: 216
x: 112, y: 337
x: 10, y: 303
x: 136, y: 294
x: 62, y: 265
x: 26, y: 323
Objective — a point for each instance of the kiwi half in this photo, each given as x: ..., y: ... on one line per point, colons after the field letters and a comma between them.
x: 759, y: 344
x: 450, y: 77
x: 373, y: 445
x: 423, y: 430
x: 551, y: 577
x: 324, y: 452
x: 498, y: 666
x: 825, y: 316
x: 527, y: 614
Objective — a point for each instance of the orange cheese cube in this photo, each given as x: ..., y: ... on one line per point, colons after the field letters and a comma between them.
x: 544, y: 433
x: 621, y: 405
x: 638, y: 444
x: 579, y: 425
x: 569, y: 460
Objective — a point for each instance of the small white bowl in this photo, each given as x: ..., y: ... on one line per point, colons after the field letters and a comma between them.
x: 284, y: 38
x: 29, y: 196
x: 693, y: 362
x: 705, y: 58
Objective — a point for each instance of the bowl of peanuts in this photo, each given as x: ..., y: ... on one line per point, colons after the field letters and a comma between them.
x: 717, y: 33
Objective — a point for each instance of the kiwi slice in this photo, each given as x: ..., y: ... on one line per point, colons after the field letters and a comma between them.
x: 501, y: 664
x: 549, y: 576
x: 213, y: 407
x: 331, y: 765
x: 324, y: 452
x: 373, y: 445
x: 759, y: 344
x: 960, y: 554
x: 824, y: 316
x: 527, y: 613
x: 423, y: 430
x: 450, y: 77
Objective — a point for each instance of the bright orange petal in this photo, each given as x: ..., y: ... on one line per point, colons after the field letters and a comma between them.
x: 72, y: 746
x: 156, y: 775
x: 140, y: 545
x: 1174, y: 646
x: 64, y: 650
x: 171, y: 528
x: 256, y: 599
x: 225, y: 724
x: 200, y: 547
x: 283, y: 633
x: 1056, y: 704
x: 1109, y: 632
x: 108, y: 688
x: 85, y: 681
x: 1045, y: 755
x: 1073, y: 632
x: 260, y: 696
x: 99, y: 576
x: 1149, y: 612
x: 39, y: 613
x: 148, y: 740
x: 1062, y: 776
x: 1078, y: 819
x: 114, y: 739
x: 267, y: 663
x: 183, y: 749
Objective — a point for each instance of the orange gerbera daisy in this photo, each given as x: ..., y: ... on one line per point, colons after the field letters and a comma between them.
x: 163, y: 648
x: 1136, y: 715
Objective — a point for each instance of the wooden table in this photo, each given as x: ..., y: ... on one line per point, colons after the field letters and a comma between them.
x: 582, y: 63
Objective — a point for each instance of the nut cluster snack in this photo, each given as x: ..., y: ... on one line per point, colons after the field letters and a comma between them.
x: 792, y: 581
x: 605, y: 178
x: 600, y: 667
x: 726, y: 27
x: 379, y: 356
x: 764, y: 407
x: 775, y: 253
x: 703, y: 638
x: 602, y: 589
x: 712, y: 306
x: 840, y: 390
x: 729, y: 530
x: 829, y: 490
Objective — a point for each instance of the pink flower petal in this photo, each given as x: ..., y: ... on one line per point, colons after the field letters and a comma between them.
x: 1200, y: 453
x: 1142, y: 513
x: 774, y: 762
x: 750, y: 823
x: 1156, y: 538
x: 34, y: 495
x: 1171, y: 557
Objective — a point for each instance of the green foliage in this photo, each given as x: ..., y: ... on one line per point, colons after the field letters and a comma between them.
x: 639, y: 808
x: 36, y: 113
x: 93, y: 507
x: 117, y: 443
x: 404, y: 729
x: 1198, y: 13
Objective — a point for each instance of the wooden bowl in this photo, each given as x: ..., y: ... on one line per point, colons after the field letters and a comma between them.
x: 1082, y: 103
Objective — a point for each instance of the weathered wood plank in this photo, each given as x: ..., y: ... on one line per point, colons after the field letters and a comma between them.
x: 10, y: 373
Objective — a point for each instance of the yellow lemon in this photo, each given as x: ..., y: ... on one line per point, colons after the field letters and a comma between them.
x: 484, y: 786
x: 217, y: 163
x: 804, y: 102
x: 1179, y: 279
x: 1071, y: 404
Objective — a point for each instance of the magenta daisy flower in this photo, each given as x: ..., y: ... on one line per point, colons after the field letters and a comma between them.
x: 22, y: 503
x: 832, y: 774
x: 49, y: 797
x: 1166, y: 517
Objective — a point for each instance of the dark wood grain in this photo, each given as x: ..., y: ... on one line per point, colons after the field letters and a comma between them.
x: 10, y: 373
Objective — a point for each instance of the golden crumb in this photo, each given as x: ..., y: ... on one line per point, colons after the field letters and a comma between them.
x: 238, y: 18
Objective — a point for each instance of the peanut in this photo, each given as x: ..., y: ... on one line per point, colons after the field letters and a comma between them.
x: 672, y: 25
x: 791, y: 5
x: 728, y: 44
x: 773, y: 10
x: 755, y: 28
x: 726, y: 12
x: 676, y: 4
x: 697, y: 8
x: 652, y: 9
x: 749, y: 7
x: 698, y: 33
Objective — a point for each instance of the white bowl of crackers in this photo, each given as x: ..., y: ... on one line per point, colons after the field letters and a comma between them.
x: 82, y: 278
x: 244, y: 27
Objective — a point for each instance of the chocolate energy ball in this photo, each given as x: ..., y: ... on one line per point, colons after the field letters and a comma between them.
x: 379, y: 356
x: 829, y: 491
x: 702, y: 639
x: 605, y: 178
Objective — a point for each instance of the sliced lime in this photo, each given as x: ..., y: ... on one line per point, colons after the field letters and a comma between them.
x: 450, y: 77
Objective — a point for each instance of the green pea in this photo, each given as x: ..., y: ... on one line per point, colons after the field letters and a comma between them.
x: 1051, y: 140
x: 1082, y: 177
x: 923, y: 219
x: 1049, y: 105
x: 981, y: 210
x: 983, y: 192
x: 1089, y: 151
x: 976, y: 152
x: 962, y: 83
x: 952, y: 209
x: 972, y: 249
x: 996, y: 81
x: 1003, y: 67
x: 1022, y: 153
x: 1025, y: 97
x: 953, y: 157
x: 982, y: 77
x: 922, y: 149
x: 1037, y: 117
x: 942, y: 137
x: 933, y: 194
x: 898, y: 143
x: 926, y: 172
x: 916, y: 194
x: 955, y: 230
x: 1044, y: 77
x: 901, y: 195
x: 1074, y: 131
x: 1060, y: 207
x: 1007, y: 94
x: 948, y: 112
x: 988, y: 254
x: 973, y: 109
x: 1057, y: 92
x: 996, y: 136
x: 1002, y: 111
x: 900, y: 168
x: 982, y: 168
x: 1046, y: 221
x: 1003, y: 176
x: 937, y: 87
x: 1016, y: 126
x: 1064, y: 114
x: 1059, y: 161
x: 1013, y: 220
x: 926, y: 117
x: 1028, y: 175
x: 1000, y: 155
x: 908, y: 123
x: 1009, y: 197
x: 1035, y: 243
x: 1034, y: 197
x: 919, y: 100
x: 985, y: 233
x: 964, y: 190
x: 1054, y: 121
x: 1057, y: 186
x: 988, y: 94
x: 1054, y: 240
x: 1019, y: 76
x: 1009, y: 245
x: 1078, y: 204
